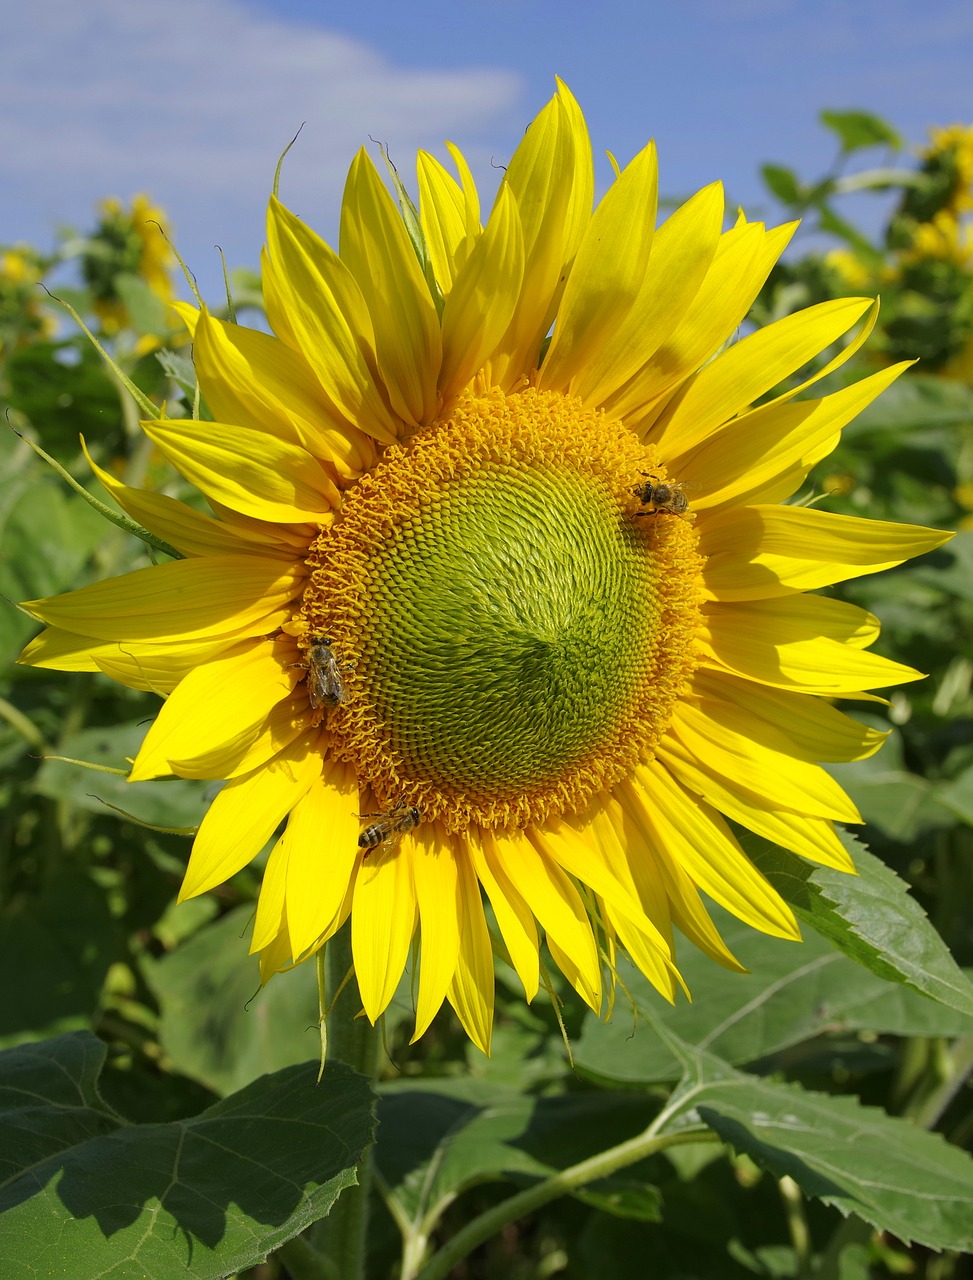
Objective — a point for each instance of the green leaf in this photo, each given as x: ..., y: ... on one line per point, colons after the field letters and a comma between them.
x: 48, y: 534
x: 71, y: 939
x: 957, y: 796
x: 84, y: 1193
x: 181, y: 370
x: 870, y: 917
x: 793, y: 993
x: 859, y: 129
x: 63, y: 389
x: 783, y: 183
x: 437, y: 1142
x: 886, y: 1170
x: 218, y: 1025
x: 148, y: 313
x: 899, y: 803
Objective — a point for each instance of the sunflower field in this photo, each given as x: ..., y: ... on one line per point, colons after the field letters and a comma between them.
x: 487, y: 730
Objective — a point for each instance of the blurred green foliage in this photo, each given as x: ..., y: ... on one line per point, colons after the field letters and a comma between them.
x: 812, y: 1085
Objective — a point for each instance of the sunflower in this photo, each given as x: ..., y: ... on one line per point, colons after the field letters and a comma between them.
x: 127, y: 242
x: 499, y: 599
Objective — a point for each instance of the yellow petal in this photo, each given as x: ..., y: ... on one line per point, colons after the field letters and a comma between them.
x: 228, y: 596
x: 583, y: 860
x: 605, y: 281
x: 322, y: 854
x: 314, y: 303
x: 246, y: 813
x: 441, y: 917
x: 250, y: 471
x: 376, y: 247
x: 287, y: 719
x: 808, y: 644
x: 383, y: 920
x: 557, y: 905
x: 685, y: 905
x: 443, y: 214
x: 551, y: 176
x: 761, y: 551
x: 210, y: 720
x: 682, y: 252
x: 155, y: 667
x: 607, y: 829
x: 58, y: 650
x: 693, y: 834
x: 471, y: 990
x: 741, y: 264
x: 749, y: 368
x: 471, y: 197
x: 275, y: 956
x: 514, y: 917
x: 770, y: 450
x: 811, y: 837
x: 189, y: 531
x: 257, y: 381
x: 816, y: 730
x: 187, y: 313
x: 729, y: 742
x: 485, y: 293
x: 269, y: 920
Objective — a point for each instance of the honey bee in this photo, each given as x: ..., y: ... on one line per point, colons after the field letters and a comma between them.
x: 401, y: 817
x: 670, y: 496
x: 325, y: 687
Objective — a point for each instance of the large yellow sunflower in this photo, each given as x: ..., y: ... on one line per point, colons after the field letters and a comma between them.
x: 499, y: 597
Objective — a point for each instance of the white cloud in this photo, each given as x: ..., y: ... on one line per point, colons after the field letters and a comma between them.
x: 193, y: 101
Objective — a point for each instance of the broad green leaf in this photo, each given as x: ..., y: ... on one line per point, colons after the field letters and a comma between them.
x: 871, y: 917
x: 793, y: 992
x: 699, y: 1239
x: 858, y: 129
x: 60, y: 943
x: 441, y: 1138
x: 218, y: 1025
x: 886, y: 1170
x: 85, y: 1194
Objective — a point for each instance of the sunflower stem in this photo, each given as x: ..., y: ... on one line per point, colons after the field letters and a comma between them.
x: 518, y: 1206
x: 342, y: 1236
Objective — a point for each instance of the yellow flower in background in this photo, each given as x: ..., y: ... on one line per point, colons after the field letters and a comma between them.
x: 488, y: 608
x: 944, y: 238
x: 850, y: 268
x: 129, y: 241
x: 955, y: 143
x: 22, y: 319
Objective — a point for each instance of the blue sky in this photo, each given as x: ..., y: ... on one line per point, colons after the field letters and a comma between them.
x: 193, y: 100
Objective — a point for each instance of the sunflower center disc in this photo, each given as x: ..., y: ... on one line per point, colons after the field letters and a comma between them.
x: 514, y: 635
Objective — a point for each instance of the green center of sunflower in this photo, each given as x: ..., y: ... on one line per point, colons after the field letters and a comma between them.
x: 512, y: 634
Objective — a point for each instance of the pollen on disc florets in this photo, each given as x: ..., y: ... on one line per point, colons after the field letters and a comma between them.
x: 512, y: 638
